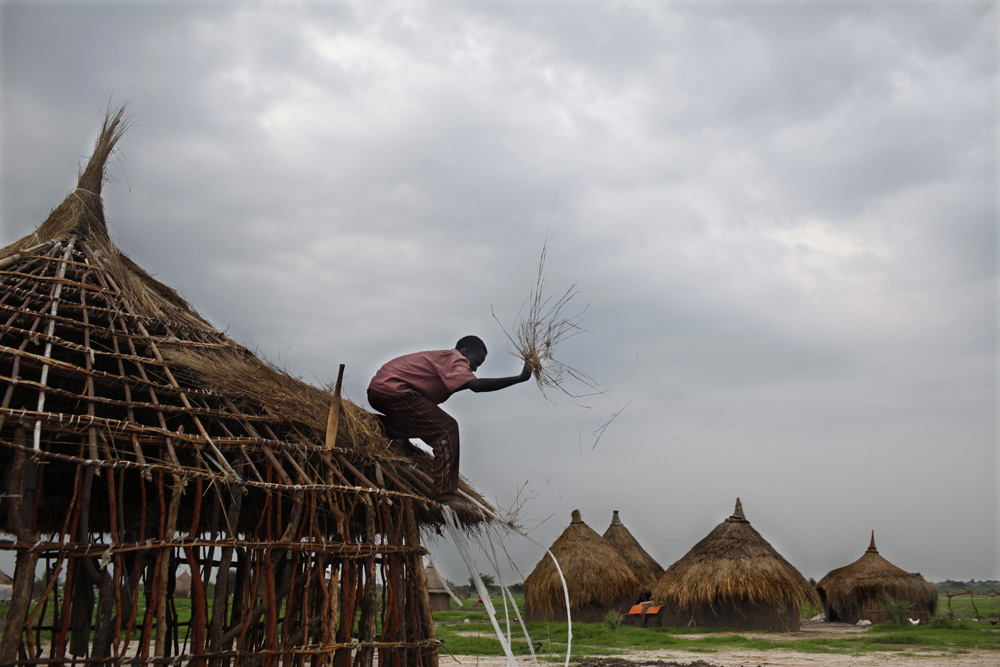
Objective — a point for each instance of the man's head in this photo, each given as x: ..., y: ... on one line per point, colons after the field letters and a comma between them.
x: 473, y: 349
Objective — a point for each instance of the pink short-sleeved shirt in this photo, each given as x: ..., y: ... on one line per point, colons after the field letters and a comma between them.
x: 436, y: 374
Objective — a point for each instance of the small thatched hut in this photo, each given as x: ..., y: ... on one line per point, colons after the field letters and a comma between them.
x: 853, y: 592
x: 598, y: 579
x: 644, y: 567
x: 733, y: 578
x: 182, y: 589
x: 136, y: 438
x: 436, y: 590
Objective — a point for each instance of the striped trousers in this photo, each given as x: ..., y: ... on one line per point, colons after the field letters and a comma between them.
x: 411, y: 415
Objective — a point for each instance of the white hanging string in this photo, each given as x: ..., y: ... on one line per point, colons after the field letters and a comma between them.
x: 569, y: 618
x: 494, y: 561
x: 463, y: 548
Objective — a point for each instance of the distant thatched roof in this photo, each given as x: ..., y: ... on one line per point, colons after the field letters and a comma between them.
x: 644, y: 566
x: 871, y: 577
x: 435, y: 584
x: 595, y: 574
x: 731, y: 564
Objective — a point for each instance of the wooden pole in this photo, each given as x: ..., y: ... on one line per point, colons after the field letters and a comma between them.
x: 24, y: 570
x: 333, y: 419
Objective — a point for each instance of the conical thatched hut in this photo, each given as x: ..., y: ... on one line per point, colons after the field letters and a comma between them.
x: 437, y: 592
x: 644, y: 567
x: 135, y: 437
x: 734, y: 578
x: 598, y: 579
x: 853, y: 592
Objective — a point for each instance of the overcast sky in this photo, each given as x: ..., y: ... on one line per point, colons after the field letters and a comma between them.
x: 781, y: 217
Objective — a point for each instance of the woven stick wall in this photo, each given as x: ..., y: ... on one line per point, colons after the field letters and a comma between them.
x: 137, y: 442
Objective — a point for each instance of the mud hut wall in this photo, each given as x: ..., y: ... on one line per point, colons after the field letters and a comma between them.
x: 586, y: 614
x: 867, y: 606
x: 737, y: 615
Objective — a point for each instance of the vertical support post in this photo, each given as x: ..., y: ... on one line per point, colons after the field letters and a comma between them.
x: 422, y: 602
x: 162, y: 622
x: 24, y: 570
x: 369, y: 604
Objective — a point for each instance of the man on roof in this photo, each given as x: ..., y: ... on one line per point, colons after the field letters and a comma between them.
x: 408, y: 391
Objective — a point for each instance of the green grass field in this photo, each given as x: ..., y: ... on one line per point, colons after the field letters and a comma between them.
x: 468, y: 631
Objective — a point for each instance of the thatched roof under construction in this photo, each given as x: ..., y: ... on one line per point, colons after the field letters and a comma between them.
x: 734, y: 569
x: 855, y: 591
x: 644, y: 566
x: 597, y: 578
x: 134, y: 435
x: 100, y: 339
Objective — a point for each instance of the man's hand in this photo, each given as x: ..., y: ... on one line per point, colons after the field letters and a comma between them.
x: 494, y: 384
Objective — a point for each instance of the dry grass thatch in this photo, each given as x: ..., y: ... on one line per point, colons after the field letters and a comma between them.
x: 644, y: 566
x: 258, y: 385
x: 595, y: 574
x: 540, y: 328
x: 732, y: 564
x: 867, y: 580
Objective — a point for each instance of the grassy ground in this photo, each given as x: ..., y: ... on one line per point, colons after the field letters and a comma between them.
x: 469, y: 632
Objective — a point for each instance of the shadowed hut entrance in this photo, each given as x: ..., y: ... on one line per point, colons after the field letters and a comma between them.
x: 854, y: 592
x: 597, y: 578
x: 733, y: 578
x: 136, y: 440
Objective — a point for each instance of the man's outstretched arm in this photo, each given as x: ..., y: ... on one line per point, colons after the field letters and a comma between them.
x: 494, y: 384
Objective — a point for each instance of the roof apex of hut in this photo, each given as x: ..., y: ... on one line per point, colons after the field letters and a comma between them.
x: 615, y: 521
x: 82, y: 211
x: 575, y: 517
x: 871, y: 547
x: 738, y: 515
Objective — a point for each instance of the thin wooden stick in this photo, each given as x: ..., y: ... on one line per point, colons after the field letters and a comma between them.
x: 333, y: 419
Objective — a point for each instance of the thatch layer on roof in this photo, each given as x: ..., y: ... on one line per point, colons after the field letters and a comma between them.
x: 598, y: 578
x: 134, y: 434
x: 854, y: 592
x: 734, y: 569
x: 644, y: 566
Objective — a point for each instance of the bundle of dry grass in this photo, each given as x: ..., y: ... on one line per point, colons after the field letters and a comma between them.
x: 854, y: 591
x: 598, y: 578
x: 644, y: 566
x: 540, y: 327
x: 732, y: 573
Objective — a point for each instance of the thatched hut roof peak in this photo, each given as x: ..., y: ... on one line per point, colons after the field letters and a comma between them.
x: 644, y: 566
x: 738, y: 516
x: 871, y: 546
x: 575, y: 517
x: 82, y: 211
